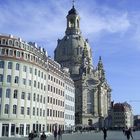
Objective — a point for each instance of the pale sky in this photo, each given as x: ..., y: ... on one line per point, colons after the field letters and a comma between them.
x: 112, y: 27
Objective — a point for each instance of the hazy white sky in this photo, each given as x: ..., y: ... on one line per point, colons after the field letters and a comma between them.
x: 112, y: 27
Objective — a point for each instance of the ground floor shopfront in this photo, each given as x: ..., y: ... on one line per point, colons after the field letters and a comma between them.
x: 10, y: 129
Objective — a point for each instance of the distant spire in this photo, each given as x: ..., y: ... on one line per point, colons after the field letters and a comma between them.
x: 73, y: 2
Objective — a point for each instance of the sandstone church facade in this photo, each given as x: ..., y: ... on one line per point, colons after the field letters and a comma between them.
x: 92, y: 92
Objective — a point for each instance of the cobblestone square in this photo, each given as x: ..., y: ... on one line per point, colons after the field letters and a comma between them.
x: 112, y: 135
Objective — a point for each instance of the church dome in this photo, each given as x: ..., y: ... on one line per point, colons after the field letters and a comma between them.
x: 69, y: 51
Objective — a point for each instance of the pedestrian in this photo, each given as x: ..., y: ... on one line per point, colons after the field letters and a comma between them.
x: 31, y: 135
x: 59, y: 134
x: 130, y: 133
x: 55, y: 134
x: 43, y: 136
x: 104, y: 132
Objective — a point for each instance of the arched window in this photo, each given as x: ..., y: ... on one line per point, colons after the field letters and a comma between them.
x: 16, y: 79
x: 15, y: 94
x: 6, y: 110
x: 77, y: 23
x: 7, y: 51
x: 71, y: 24
x: 8, y: 92
x: 14, y: 109
x: 15, y: 53
x: 10, y: 42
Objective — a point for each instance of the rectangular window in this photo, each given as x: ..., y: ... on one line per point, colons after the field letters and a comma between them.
x: 39, y: 73
x: 28, y: 110
x: 16, y: 79
x: 29, y: 96
x: 24, y: 68
x: 1, y: 78
x: 11, y: 52
x: 6, y: 110
x: 0, y: 92
x: 34, y: 83
x: 33, y: 111
x: 44, y: 100
x: 22, y: 110
x: 40, y: 112
x: 18, y: 54
x: 8, y: 78
x: 37, y: 97
x: 48, y: 112
x: 30, y: 70
x: 24, y: 81
x: 30, y: 82
x: 37, y: 111
x: 43, y: 113
x: 35, y: 71
x: 1, y: 64
x: 14, y: 109
x: 17, y: 66
x: 34, y: 97
x: 45, y: 77
x: 8, y: 92
x: 9, y: 65
x: 23, y: 95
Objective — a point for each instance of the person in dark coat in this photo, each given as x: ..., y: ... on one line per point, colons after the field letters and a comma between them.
x: 55, y: 134
x: 59, y: 134
x: 31, y: 135
x: 43, y: 136
x: 128, y: 133
x: 105, y: 133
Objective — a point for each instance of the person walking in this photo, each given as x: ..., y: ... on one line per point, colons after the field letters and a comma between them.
x: 59, y: 134
x: 128, y: 134
x: 43, y: 136
x: 31, y: 135
x: 131, y: 133
x: 105, y: 133
x: 55, y: 134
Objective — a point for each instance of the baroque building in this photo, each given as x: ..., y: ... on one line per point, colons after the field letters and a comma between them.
x: 92, y: 92
x: 32, y: 89
x: 122, y: 115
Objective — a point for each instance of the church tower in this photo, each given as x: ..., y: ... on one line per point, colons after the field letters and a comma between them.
x: 74, y: 52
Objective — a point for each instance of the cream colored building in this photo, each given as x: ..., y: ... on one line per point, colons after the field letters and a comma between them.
x: 32, y: 88
x: 56, y: 96
x: 23, y: 82
x: 69, y: 102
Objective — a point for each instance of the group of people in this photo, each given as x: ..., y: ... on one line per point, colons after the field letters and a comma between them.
x: 32, y: 135
x: 127, y: 132
x: 57, y: 134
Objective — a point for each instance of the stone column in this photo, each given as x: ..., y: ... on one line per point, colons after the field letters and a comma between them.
x: 9, y: 132
x: 24, y: 134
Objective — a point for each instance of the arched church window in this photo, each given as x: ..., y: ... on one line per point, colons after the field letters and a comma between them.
x: 72, y: 23
x: 77, y: 23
